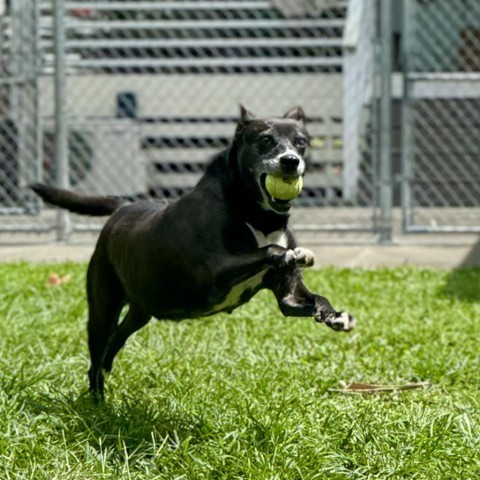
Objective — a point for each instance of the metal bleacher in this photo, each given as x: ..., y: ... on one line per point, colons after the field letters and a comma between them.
x: 186, y: 65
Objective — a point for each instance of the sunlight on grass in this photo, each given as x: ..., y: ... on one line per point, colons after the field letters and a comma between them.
x: 246, y: 396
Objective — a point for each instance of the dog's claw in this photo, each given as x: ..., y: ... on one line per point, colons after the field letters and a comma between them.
x: 338, y: 321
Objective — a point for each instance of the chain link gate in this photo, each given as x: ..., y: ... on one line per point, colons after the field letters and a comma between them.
x: 441, y: 116
x: 20, y: 123
x: 151, y: 89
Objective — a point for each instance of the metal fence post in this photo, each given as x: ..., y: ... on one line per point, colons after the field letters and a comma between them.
x: 38, y: 172
x: 62, y: 178
x: 407, y: 115
x: 385, y: 124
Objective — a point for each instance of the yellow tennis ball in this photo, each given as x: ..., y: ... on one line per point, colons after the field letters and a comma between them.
x: 283, y: 188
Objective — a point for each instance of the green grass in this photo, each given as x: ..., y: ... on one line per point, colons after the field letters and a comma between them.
x: 246, y: 396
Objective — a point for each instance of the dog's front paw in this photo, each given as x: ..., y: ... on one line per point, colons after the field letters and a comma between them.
x: 280, y: 257
x: 304, y: 257
x: 338, y: 321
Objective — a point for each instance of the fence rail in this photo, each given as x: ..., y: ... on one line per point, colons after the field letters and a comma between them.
x: 164, y: 5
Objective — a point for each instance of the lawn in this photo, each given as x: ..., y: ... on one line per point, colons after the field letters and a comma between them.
x: 247, y: 395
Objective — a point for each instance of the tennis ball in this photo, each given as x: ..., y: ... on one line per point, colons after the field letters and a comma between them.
x: 283, y: 188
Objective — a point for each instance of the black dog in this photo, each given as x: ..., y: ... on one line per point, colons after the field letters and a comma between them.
x: 209, y: 252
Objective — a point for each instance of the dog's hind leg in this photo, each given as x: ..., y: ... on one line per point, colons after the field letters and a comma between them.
x: 105, y: 301
x: 134, y: 320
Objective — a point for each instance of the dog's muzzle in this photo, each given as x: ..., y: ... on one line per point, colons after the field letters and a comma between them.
x: 288, y: 165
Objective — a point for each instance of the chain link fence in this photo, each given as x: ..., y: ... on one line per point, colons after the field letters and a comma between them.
x: 151, y: 89
x: 20, y: 133
x: 441, y: 145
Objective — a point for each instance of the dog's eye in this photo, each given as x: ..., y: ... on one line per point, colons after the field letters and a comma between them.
x: 301, y: 143
x: 266, y: 141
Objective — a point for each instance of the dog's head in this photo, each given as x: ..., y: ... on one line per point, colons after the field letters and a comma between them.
x: 273, y: 146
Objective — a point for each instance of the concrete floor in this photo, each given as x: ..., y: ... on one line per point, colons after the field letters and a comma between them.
x: 353, y: 249
x: 434, y: 252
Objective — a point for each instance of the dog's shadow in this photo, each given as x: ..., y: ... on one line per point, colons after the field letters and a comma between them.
x: 463, y: 283
x: 128, y: 428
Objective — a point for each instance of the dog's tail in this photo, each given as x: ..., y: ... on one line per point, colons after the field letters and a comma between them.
x: 85, y: 205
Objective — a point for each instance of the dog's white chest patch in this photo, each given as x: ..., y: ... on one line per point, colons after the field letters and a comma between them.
x: 278, y: 237
x: 233, y: 297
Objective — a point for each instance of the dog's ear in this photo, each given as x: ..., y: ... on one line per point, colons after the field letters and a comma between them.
x: 245, y: 115
x: 296, y: 113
